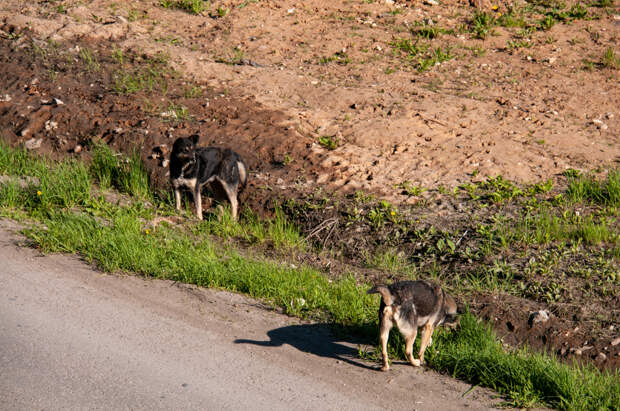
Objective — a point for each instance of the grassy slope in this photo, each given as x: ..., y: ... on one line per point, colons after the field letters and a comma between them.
x: 65, y: 214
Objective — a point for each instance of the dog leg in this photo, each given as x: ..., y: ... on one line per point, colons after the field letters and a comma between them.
x: 409, y: 340
x: 384, y: 333
x: 231, y: 193
x: 198, y: 201
x: 177, y: 199
x: 234, y: 207
x: 427, y: 333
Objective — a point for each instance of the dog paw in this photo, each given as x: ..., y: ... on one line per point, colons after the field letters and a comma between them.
x: 416, y: 362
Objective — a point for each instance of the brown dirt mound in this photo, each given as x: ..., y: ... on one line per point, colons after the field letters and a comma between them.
x: 516, y: 104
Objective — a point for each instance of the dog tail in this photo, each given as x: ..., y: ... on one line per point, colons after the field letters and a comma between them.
x: 243, y: 173
x: 385, y: 293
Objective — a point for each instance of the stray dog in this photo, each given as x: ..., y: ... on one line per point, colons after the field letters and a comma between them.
x: 412, y: 304
x: 193, y: 167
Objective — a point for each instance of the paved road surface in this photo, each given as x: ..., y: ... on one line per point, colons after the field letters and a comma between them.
x: 74, y: 338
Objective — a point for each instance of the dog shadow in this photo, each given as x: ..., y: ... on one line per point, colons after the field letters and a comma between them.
x: 316, y: 339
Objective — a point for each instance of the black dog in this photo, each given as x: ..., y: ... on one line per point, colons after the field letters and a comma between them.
x: 192, y: 167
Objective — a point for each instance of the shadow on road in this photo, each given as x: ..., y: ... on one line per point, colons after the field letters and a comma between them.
x: 317, y: 339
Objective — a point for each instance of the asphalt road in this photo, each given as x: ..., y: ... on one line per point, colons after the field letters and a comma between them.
x: 74, y: 338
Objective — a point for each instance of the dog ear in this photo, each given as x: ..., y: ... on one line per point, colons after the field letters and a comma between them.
x: 194, y: 138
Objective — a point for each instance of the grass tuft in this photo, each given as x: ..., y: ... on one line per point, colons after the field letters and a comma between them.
x: 585, y: 188
x: 111, y: 170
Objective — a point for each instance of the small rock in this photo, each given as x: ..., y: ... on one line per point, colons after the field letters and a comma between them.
x: 165, y: 163
x: 609, y: 116
x: 51, y: 125
x: 33, y: 143
x: 122, y: 20
x: 541, y: 316
x: 170, y: 114
x: 599, y: 124
x: 615, y: 342
x: 552, y: 60
x: 58, y: 102
x: 77, y: 148
x: 601, y: 357
x: 5, y: 98
x: 431, y: 2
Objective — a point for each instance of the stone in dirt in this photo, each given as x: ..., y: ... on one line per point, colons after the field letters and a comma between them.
x: 33, y: 143
x: 536, y: 317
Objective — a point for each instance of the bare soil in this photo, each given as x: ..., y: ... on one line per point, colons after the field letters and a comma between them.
x: 271, y: 79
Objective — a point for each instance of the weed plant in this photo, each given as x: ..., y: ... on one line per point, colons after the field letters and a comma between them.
x: 191, y: 6
x: 586, y: 188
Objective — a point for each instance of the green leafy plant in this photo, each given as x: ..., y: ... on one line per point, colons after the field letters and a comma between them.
x: 329, y: 142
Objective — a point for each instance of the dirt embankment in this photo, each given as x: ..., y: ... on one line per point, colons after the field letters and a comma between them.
x: 516, y: 104
x: 274, y: 80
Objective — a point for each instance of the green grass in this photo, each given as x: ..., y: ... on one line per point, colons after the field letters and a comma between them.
x: 111, y: 170
x: 167, y: 253
x: 149, y: 75
x: 68, y: 215
x: 409, y: 49
x: 586, y: 188
x: 610, y: 59
x: 434, y: 56
x: 89, y: 59
x: 191, y: 6
x: 482, y: 24
x: 527, y: 378
x: 390, y: 260
x: 421, y: 55
x: 534, y: 15
x: 277, y: 231
x: 543, y: 227
x: 329, y: 142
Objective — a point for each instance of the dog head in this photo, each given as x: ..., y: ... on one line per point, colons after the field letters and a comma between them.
x: 451, y: 319
x: 184, y: 147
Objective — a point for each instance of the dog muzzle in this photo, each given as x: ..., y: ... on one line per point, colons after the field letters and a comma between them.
x: 451, y: 321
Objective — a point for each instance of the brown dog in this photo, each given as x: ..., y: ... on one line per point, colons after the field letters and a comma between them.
x: 412, y: 304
